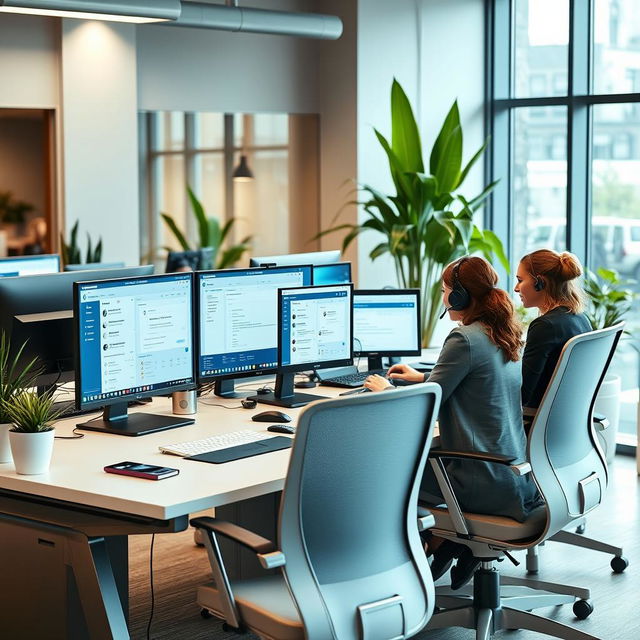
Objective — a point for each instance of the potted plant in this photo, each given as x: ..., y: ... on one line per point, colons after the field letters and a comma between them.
x: 31, y: 436
x: 427, y: 223
x: 14, y: 377
x: 71, y: 253
x: 210, y: 235
x: 609, y: 300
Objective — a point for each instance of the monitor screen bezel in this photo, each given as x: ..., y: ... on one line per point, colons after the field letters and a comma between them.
x: 391, y: 292
x: 333, y: 264
x: 39, y: 257
x: 236, y: 374
x: 104, y: 402
x: 343, y: 362
x: 330, y: 256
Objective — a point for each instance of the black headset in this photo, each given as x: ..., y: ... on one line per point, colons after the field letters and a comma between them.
x: 459, y: 298
x: 538, y: 283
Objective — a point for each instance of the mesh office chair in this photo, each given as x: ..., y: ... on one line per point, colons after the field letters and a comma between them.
x: 351, y: 559
x: 565, y: 460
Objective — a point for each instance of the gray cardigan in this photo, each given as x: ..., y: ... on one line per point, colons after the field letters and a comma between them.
x: 481, y: 411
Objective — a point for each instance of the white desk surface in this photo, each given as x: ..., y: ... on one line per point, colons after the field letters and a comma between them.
x: 76, y: 474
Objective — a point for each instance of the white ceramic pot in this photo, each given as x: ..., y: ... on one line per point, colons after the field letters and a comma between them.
x: 32, y: 451
x: 608, y: 404
x: 5, y: 448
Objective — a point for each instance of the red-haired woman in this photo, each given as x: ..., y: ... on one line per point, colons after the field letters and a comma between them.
x: 480, y: 375
x: 549, y: 281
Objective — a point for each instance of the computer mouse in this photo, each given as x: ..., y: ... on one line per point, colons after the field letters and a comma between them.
x: 271, y: 416
x: 282, y: 428
x: 305, y: 384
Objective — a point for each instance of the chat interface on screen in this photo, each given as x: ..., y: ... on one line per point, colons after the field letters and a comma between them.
x: 385, y: 323
x: 29, y: 266
x: 316, y: 325
x: 135, y: 336
x: 239, y: 318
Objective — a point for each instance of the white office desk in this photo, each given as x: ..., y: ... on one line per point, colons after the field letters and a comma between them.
x: 77, y: 518
x: 77, y: 475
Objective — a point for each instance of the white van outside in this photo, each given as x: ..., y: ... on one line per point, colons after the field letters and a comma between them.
x: 615, y: 241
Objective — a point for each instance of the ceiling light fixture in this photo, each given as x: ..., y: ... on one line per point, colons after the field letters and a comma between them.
x: 242, y: 173
x: 113, y: 10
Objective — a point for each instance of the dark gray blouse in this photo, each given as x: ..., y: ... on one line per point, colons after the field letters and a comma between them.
x: 481, y: 411
x: 546, y: 336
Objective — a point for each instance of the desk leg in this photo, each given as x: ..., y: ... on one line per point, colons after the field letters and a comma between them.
x: 97, y: 590
x: 259, y: 515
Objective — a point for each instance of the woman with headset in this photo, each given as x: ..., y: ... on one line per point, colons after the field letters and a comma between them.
x: 548, y: 280
x: 479, y: 372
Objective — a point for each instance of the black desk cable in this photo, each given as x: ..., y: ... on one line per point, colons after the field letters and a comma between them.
x: 153, y: 600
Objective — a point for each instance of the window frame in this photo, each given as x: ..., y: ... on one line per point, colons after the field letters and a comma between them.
x: 501, y: 105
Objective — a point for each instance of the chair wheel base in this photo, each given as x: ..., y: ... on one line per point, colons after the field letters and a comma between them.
x: 206, y: 614
x: 582, y: 609
x: 581, y: 528
x: 619, y: 564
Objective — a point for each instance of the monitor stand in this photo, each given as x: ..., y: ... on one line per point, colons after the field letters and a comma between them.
x: 116, y: 420
x: 226, y: 389
x: 374, y: 363
x: 284, y: 395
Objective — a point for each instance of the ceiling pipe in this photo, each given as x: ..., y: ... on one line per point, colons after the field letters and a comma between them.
x: 117, y: 10
x: 230, y: 17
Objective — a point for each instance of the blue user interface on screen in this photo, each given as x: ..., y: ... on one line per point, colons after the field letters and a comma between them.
x: 337, y: 273
x: 239, y: 318
x: 386, y: 322
x: 135, y: 336
x: 315, y: 325
x: 29, y: 265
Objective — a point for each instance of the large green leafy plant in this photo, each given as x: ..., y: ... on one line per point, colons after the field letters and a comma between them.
x: 210, y: 234
x: 427, y: 222
x: 609, y: 297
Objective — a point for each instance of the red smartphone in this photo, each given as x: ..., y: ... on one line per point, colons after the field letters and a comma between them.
x: 139, y: 470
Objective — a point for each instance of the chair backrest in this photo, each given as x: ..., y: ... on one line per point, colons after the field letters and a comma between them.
x: 348, y: 519
x: 567, y: 462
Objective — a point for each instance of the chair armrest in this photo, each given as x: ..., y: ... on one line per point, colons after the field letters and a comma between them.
x: 519, y: 468
x: 426, y: 519
x: 472, y: 455
x: 242, y: 536
x: 601, y: 422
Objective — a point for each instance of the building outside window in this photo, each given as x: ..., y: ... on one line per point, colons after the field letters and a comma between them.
x: 565, y: 125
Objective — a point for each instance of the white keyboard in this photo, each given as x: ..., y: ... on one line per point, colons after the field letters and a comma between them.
x: 214, y: 443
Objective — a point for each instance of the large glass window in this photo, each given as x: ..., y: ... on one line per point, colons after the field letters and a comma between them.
x: 566, y: 141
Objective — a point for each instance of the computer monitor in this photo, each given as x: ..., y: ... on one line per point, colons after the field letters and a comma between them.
x: 336, y: 273
x: 93, y: 265
x: 134, y: 339
x: 315, y: 257
x: 29, y: 265
x: 237, y: 312
x: 38, y: 310
x: 315, y: 330
x: 386, y: 322
x: 196, y: 260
